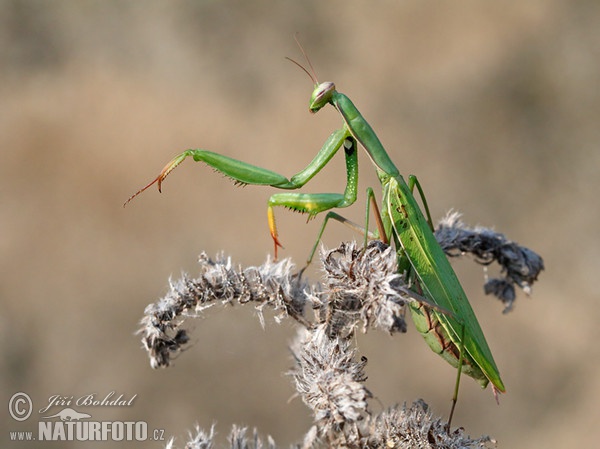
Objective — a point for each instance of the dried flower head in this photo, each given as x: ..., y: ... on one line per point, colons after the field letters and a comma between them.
x: 238, y: 439
x: 364, y: 284
x: 415, y: 427
x: 520, y: 265
x: 272, y: 284
x: 329, y: 379
x: 201, y: 440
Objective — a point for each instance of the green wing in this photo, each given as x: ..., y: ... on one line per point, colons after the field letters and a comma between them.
x: 436, y: 276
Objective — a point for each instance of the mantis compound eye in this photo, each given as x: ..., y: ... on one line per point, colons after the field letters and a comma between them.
x: 321, y: 96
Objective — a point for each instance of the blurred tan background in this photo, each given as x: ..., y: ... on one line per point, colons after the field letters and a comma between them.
x: 495, y: 106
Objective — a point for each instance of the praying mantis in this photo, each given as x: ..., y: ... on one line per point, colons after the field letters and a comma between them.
x: 450, y: 327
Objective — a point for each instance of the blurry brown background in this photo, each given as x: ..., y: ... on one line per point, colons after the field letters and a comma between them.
x: 495, y: 106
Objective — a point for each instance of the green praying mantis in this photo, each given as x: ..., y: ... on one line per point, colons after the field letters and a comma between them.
x: 449, y: 326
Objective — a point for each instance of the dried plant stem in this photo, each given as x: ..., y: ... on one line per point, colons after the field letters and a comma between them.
x: 361, y: 289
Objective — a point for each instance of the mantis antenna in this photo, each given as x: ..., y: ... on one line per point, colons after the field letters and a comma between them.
x: 312, y: 75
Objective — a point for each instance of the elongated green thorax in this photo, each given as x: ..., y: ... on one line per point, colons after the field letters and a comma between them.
x: 363, y: 132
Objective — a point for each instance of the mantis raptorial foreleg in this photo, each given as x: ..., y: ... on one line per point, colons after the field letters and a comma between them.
x: 313, y: 203
x: 244, y: 173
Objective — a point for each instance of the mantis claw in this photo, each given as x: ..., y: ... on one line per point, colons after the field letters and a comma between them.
x: 496, y: 391
x: 141, y: 190
x: 273, y: 230
x: 161, y: 177
x: 172, y: 165
x: 276, y: 244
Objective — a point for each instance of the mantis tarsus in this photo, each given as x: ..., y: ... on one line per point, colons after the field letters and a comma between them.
x: 456, y: 334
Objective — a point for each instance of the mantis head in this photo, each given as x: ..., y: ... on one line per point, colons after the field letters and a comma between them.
x: 321, y: 96
x: 323, y: 91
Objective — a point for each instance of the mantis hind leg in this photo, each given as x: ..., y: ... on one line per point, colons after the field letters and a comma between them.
x: 458, y: 375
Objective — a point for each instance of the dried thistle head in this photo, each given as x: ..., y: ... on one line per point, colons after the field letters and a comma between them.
x: 364, y: 284
x: 415, y: 426
x: 238, y: 439
x: 273, y: 284
x: 199, y: 440
x: 360, y: 285
x: 519, y: 265
x: 330, y: 379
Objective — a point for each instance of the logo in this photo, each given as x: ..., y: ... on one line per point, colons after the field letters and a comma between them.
x: 70, y: 424
x: 68, y: 414
x: 20, y: 406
